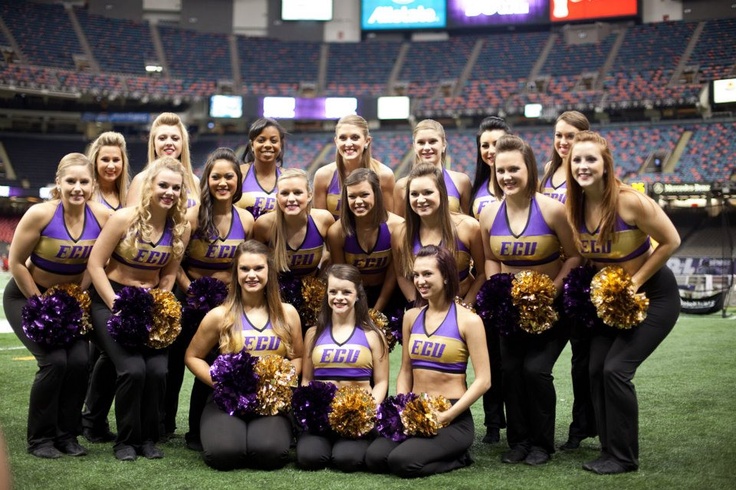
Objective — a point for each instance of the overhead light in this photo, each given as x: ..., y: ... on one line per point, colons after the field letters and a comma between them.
x: 154, y: 68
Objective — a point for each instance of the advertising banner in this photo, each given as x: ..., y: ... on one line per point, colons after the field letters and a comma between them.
x: 484, y: 13
x: 403, y: 14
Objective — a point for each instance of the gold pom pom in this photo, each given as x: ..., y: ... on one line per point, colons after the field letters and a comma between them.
x: 381, y: 321
x: 533, y: 294
x: 460, y: 302
x: 82, y: 297
x: 614, y: 298
x: 166, y: 319
x: 353, y: 412
x: 313, y: 291
x: 420, y: 415
x: 276, y: 376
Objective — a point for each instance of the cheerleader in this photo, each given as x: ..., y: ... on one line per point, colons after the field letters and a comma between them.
x: 343, y: 324
x: 525, y: 231
x: 439, y: 339
x: 251, y: 318
x: 615, y: 225
x: 219, y: 227
x: 262, y: 168
x: 51, y: 245
x: 141, y: 245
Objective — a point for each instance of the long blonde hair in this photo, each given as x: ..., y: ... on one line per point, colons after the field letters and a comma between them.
x: 278, y: 234
x: 231, y: 330
x: 366, y: 160
x: 140, y: 227
x: 430, y: 124
x: 67, y: 161
x: 171, y: 119
x: 112, y: 138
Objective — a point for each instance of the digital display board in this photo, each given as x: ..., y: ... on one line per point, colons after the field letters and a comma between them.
x: 568, y: 10
x: 318, y: 108
x: 306, y: 10
x: 402, y: 14
x: 482, y: 13
x: 226, y: 106
x: 724, y: 91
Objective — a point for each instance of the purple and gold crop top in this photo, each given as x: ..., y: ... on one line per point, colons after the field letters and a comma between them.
x: 263, y: 341
x: 536, y: 245
x: 57, y: 252
x: 443, y: 350
x: 351, y: 360
x: 628, y: 242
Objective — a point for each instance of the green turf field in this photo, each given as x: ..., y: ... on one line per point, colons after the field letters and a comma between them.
x: 687, y: 403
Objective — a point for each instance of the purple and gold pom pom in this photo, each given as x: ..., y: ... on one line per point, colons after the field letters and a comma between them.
x: 381, y: 321
x: 132, y: 317
x: 388, y: 416
x: 314, y: 290
x: 276, y: 376
x: 615, y: 301
x: 353, y: 412
x: 576, y: 296
x: 203, y: 295
x: 495, y: 305
x: 166, y: 324
x: 82, y: 297
x: 311, y: 405
x: 236, y: 383
x: 420, y: 415
x: 533, y: 294
x: 55, y: 319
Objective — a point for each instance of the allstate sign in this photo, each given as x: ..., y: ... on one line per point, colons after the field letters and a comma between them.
x: 403, y: 14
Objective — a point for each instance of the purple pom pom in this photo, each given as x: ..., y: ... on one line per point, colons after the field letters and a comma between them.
x: 311, y: 406
x: 290, y: 288
x: 203, y: 295
x: 388, y: 417
x: 494, y: 304
x: 236, y: 383
x: 576, y: 296
x: 54, y: 320
x: 132, y: 317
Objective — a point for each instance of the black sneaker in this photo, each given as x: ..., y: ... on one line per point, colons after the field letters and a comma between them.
x: 492, y: 436
x: 98, y: 436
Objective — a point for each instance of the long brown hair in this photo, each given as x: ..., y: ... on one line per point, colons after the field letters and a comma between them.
x: 378, y: 214
x: 205, y: 220
x: 363, y: 320
x: 575, y: 119
x: 575, y: 203
x: 413, y: 222
x: 231, y: 330
x: 508, y: 143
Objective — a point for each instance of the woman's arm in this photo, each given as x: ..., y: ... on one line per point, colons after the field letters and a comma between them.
x: 397, y: 245
x: 167, y: 275
x: 399, y: 198
x: 652, y: 220
x: 388, y: 184
x: 113, y: 231
x: 405, y: 379
x: 297, y: 343
x: 492, y: 264
x: 134, y: 191
x: 387, y: 288
x: 563, y: 230
x: 462, y: 182
x: 472, y: 240
x: 336, y: 241
x: 26, y: 236
x: 380, y: 366
x: 307, y: 366
x: 322, y: 179
x: 206, y: 338
x: 471, y: 328
x: 246, y: 220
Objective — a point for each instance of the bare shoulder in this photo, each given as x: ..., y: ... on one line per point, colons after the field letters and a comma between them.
x: 322, y: 217
x: 394, y: 220
x: 100, y: 211
x: 459, y: 176
x: 335, y: 231
x: 325, y: 172
x: 467, y: 318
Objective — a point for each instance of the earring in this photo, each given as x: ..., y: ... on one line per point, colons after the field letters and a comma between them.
x: 445, y: 281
